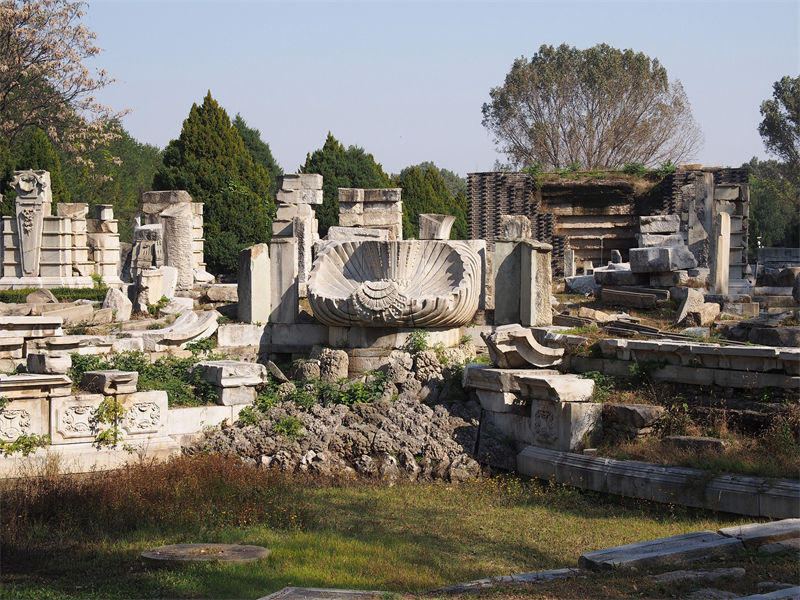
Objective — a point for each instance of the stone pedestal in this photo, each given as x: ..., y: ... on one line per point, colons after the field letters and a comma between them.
x: 721, y: 247
x: 284, y: 299
x: 254, y: 284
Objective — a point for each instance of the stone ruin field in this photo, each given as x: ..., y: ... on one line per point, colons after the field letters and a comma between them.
x: 594, y: 397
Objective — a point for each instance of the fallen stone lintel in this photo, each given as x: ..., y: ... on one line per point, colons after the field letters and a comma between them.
x: 678, y: 549
x: 755, y: 534
x: 791, y: 593
x: 754, y: 496
x: 299, y: 593
x: 511, y: 580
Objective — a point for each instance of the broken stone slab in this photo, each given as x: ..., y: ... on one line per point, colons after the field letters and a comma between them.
x: 629, y: 299
x: 790, y: 545
x: 678, y: 549
x: 238, y: 335
x: 755, y: 534
x: 27, y: 385
x: 11, y: 347
x: 660, y: 259
x: 632, y: 416
x: 42, y: 296
x: 480, y: 376
x: 102, y: 316
x: 692, y: 303
x: 73, y: 315
x: 581, y: 284
x: 189, y: 327
x: 338, y: 233
x: 515, y: 227
x: 232, y: 373
x: 694, y: 443
x: 223, y: 292
x: 119, y: 304
x: 659, y: 224
x: 110, y: 382
x: 595, y: 315
x: 711, y: 594
x: 31, y: 327
x: 649, y: 240
x: 177, y: 306
x: 712, y: 575
x: 613, y: 277
x: 555, y: 388
x: 276, y: 372
x: 616, y: 257
x: 513, y: 346
x: 48, y: 363
x: 300, y: 593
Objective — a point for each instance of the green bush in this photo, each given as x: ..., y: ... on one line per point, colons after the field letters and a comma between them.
x: 418, y: 340
x: 288, y: 426
x: 635, y: 168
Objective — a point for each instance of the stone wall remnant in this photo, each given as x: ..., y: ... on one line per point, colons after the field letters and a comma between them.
x: 372, y: 208
x: 254, y: 284
x: 522, y: 283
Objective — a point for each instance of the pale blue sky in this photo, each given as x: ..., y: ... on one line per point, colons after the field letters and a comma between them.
x: 407, y: 80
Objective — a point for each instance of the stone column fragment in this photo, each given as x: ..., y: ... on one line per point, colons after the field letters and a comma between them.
x: 722, y: 251
x: 284, y: 304
x: 254, y: 284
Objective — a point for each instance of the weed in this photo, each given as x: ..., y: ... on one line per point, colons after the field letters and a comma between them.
x: 604, y: 385
x: 77, y: 329
x: 154, y: 326
x: 154, y: 309
x: 202, y: 346
x: 110, y: 412
x: 288, y: 426
x: 418, y: 340
x: 25, y: 444
x: 466, y: 339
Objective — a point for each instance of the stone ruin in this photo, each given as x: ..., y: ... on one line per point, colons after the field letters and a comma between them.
x: 63, y: 250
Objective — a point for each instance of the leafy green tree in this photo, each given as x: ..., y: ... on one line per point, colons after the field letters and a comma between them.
x: 341, y: 167
x: 599, y: 108
x: 425, y: 191
x: 780, y: 128
x: 260, y: 152
x: 454, y: 183
x: 32, y: 149
x: 118, y: 172
x: 210, y: 161
x: 774, y: 204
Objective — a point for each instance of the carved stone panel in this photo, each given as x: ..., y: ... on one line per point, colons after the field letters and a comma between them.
x: 71, y: 418
x: 145, y: 414
x: 20, y: 417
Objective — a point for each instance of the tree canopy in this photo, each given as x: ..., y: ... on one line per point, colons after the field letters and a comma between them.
x: 341, y: 167
x: 210, y: 161
x: 260, y: 152
x: 426, y: 191
x: 596, y: 108
x: 44, y: 81
x: 780, y: 127
x: 774, y: 204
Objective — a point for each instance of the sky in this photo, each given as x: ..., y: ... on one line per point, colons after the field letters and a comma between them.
x: 406, y: 81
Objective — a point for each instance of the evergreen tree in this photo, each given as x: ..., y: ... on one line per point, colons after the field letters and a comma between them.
x: 350, y: 167
x: 32, y: 150
x: 774, y: 204
x: 210, y: 161
x: 260, y: 152
x: 425, y: 191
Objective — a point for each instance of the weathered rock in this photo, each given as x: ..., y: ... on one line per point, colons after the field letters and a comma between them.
x: 581, y: 284
x: 692, y: 303
x: 711, y: 594
x: 660, y: 259
x: 253, y: 284
x: 616, y: 257
x: 119, y: 304
x: 333, y: 364
x: 276, y: 372
x: 694, y: 443
x: 177, y: 306
x: 631, y: 416
x: 223, y: 292
x: 697, y: 332
x: 788, y: 276
x: 42, y: 296
x: 48, y: 363
x: 594, y: 315
x: 305, y: 369
x: 790, y: 545
x: 659, y: 224
x: 102, y: 316
x: 705, y: 315
x: 427, y: 365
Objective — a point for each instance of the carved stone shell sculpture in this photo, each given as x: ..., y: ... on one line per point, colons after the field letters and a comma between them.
x: 404, y: 283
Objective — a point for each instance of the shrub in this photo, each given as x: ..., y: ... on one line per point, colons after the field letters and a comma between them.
x: 634, y: 168
x: 604, y: 385
x: 288, y: 426
x: 418, y: 340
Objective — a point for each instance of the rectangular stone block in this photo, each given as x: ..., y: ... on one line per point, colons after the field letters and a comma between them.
x: 660, y: 259
x: 756, y: 534
x: 71, y: 419
x: 351, y: 196
x: 648, y: 240
x: 383, y: 195
x: 629, y: 299
x: 659, y: 224
x: 237, y: 335
x: 562, y: 425
x: 536, y: 284
x: 254, y: 284
x: 29, y: 417
x: 284, y: 304
x: 145, y: 415
x: 110, y: 382
x: 675, y: 550
x: 726, y: 192
x: 233, y: 396
x: 338, y: 233
x: 721, y: 249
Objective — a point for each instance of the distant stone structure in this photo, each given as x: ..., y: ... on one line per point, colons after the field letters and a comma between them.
x: 64, y: 250
x: 172, y: 218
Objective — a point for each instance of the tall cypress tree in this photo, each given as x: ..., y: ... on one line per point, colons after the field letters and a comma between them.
x: 210, y: 161
x: 341, y: 167
x: 260, y: 151
x: 425, y: 191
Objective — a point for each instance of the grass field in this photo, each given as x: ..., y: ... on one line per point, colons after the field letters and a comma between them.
x: 80, y: 537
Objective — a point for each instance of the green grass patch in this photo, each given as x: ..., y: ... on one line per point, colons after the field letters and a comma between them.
x: 61, y: 294
x: 340, y: 534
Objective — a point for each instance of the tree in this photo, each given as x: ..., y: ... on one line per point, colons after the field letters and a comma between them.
x: 426, y: 191
x: 780, y: 128
x: 43, y: 79
x: 774, y: 204
x: 32, y: 150
x: 210, y: 161
x: 260, y: 152
x: 454, y: 183
x: 341, y: 167
x: 597, y: 108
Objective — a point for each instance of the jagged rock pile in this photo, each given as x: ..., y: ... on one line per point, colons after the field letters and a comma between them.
x: 395, y: 436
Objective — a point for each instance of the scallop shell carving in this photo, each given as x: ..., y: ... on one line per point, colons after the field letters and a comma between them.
x: 403, y: 283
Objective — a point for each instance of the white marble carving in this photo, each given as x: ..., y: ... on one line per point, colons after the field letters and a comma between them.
x: 411, y: 283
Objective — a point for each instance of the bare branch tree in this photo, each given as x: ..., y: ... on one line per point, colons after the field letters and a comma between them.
x: 598, y: 108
